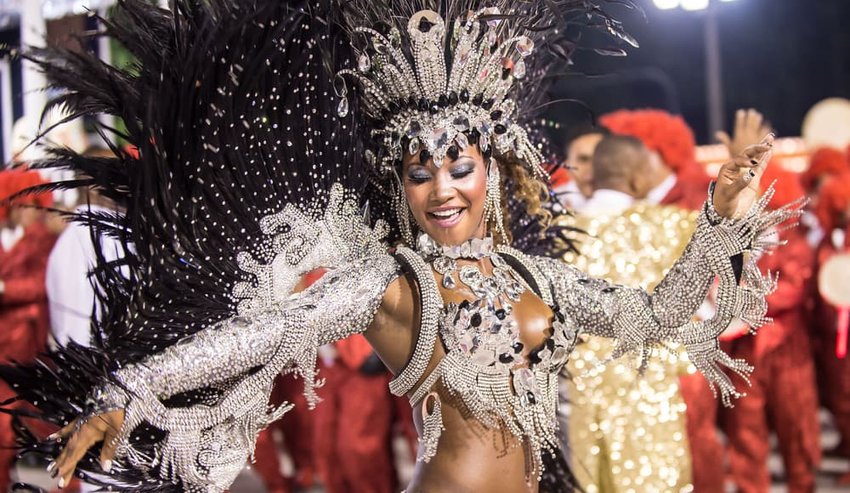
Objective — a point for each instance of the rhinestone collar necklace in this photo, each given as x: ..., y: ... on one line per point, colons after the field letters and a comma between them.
x: 475, y: 248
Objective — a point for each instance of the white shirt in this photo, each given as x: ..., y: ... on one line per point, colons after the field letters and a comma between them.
x: 570, y: 196
x: 657, y: 194
x: 10, y: 236
x: 606, y: 202
x: 70, y: 295
x: 815, y: 232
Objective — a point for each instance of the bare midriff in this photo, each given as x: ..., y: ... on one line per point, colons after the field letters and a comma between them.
x: 471, y: 458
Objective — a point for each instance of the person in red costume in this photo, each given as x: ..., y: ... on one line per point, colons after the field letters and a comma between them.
x: 677, y: 179
x: 354, y: 421
x: 824, y: 163
x: 783, y: 391
x: 24, y: 247
x: 833, y: 213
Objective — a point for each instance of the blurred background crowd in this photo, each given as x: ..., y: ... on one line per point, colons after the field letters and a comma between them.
x: 636, y: 141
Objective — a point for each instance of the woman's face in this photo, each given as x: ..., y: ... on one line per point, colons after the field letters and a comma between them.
x: 448, y: 202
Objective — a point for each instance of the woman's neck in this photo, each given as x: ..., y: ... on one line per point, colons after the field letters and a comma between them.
x: 473, y: 248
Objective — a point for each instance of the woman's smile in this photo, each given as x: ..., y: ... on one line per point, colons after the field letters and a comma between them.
x: 446, y: 217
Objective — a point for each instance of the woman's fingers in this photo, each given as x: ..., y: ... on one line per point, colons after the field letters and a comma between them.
x: 78, y: 444
x: 755, y: 154
x: 103, y: 427
x: 752, y: 176
x: 723, y: 138
x: 110, y: 443
x: 65, y: 432
x: 77, y: 447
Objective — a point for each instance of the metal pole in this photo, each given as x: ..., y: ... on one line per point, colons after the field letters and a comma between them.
x: 7, y: 117
x: 713, y: 73
x: 33, y: 33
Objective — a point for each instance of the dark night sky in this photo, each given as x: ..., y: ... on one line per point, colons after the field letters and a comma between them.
x: 779, y: 56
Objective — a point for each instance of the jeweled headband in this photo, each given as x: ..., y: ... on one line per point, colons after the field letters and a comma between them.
x: 454, y: 87
x: 441, y: 84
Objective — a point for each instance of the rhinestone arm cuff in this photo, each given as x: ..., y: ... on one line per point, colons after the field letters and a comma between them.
x: 237, y: 361
x: 639, y: 320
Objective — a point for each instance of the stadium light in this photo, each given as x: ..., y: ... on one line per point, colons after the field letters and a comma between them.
x: 694, y: 4
x: 691, y: 5
x: 707, y: 9
x: 666, y: 4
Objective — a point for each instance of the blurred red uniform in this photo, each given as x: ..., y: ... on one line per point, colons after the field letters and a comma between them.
x: 24, y: 322
x: 783, y: 391
x: 354, y: 421
x: 833, y: 211
x: 690, y: 189
x: 296, y: 428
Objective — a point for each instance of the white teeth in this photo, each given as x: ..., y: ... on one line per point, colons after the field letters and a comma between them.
x: 446, y: 213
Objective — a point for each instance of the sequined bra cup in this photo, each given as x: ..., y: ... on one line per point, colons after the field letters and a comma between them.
x: 485, y: 368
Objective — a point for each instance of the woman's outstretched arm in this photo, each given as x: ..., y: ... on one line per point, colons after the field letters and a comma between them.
x: 234, y: 362
x: 721, y: 248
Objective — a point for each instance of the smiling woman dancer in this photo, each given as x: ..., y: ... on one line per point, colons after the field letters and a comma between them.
x: 246, y: 180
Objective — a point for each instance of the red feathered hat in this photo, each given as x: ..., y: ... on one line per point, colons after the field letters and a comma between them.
x: 15, y: 181
x: 667, y: 134
x: 834, y: 200
x: 826, y: 161
x: 4, y: 192
x: 787, y: 188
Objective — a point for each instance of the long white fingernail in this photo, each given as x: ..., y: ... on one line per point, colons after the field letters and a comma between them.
x: 51, y: 466
x: 61, y: 483
x: 106, y: 465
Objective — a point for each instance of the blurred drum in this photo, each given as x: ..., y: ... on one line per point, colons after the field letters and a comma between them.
x: 827, y: 124
x: 834, y: 286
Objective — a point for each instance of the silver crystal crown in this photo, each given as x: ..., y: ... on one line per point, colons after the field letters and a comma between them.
x: 446, y: 88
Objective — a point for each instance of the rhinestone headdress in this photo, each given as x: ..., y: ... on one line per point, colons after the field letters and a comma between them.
x: 435, y: 85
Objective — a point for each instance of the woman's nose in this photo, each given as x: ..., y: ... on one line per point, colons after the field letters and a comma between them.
x: 443, y: 187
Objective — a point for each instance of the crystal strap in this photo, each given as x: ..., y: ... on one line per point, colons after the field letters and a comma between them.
x: 525, y: 267
x: 426, y: 385
x: 431, y: 305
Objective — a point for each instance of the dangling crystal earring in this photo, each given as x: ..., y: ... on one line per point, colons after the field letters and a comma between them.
x: 402, y: 211
x: 493, y: 200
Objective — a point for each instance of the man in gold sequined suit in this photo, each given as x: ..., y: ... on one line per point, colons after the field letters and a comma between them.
x: 627, y: 432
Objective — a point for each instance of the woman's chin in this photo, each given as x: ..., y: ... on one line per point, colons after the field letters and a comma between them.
x: 452, y: 236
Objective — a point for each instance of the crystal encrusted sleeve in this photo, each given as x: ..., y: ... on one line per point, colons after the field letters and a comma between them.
x: 342, y: 303
x: 240, y: 357
x: 639, y: 320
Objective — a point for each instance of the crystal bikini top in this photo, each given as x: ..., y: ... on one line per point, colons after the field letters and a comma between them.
x: 485, y: 367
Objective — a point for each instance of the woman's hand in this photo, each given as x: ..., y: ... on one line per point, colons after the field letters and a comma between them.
x: 738, y: 180
x: 80, y: 437
x: 750, y: 126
